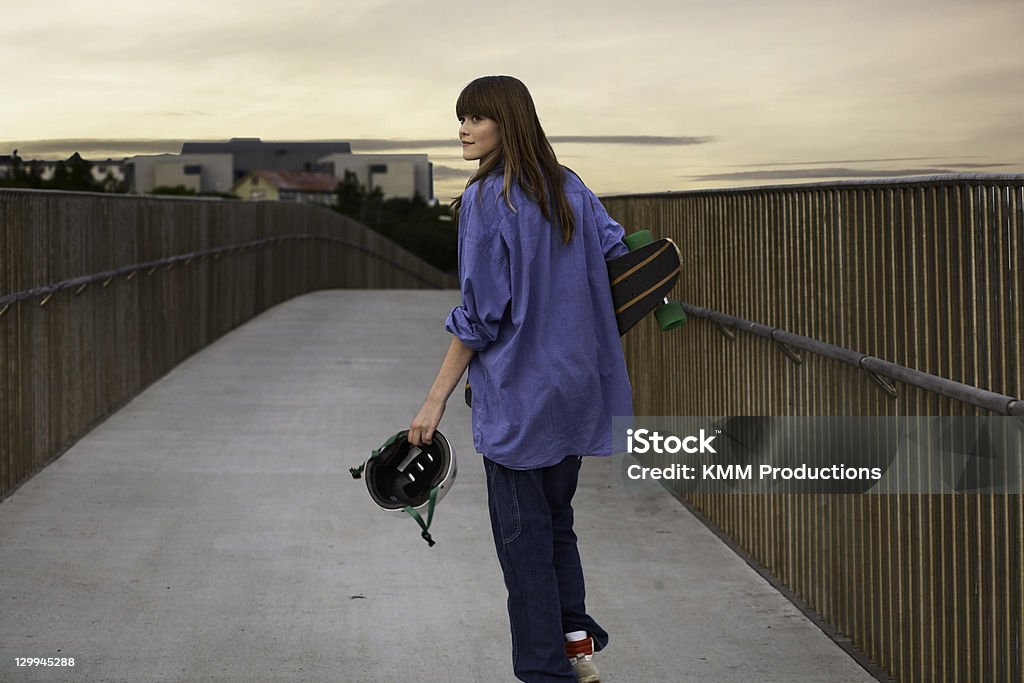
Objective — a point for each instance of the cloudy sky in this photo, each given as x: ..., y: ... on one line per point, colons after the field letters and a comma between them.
x: 646, y: 95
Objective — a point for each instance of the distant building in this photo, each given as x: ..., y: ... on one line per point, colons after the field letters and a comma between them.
x: 201, y: 173
x: 397, y: 175
x: 252, y: 154
x: 287, y: 186
x: 218, y: 166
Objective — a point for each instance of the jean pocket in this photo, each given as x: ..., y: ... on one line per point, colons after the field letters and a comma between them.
x: 505, y: 501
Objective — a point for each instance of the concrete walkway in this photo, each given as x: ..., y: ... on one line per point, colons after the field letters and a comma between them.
x: 210, y: 531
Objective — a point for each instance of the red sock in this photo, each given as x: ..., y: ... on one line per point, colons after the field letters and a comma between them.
x: 580, y: 647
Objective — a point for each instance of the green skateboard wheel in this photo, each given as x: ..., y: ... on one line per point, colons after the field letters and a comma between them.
x: 638, y: 239
x: 670, y: 316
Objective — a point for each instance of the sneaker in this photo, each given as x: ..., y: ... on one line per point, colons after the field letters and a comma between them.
x: 581, y: 656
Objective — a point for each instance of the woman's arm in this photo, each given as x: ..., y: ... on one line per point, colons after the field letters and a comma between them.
x: 455, y: 362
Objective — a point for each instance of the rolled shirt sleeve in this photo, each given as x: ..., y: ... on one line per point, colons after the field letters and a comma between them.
x: 610, y: 232
x: 484, y: 279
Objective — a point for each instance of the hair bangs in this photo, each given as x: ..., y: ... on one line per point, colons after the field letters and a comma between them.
x: 476, y: 98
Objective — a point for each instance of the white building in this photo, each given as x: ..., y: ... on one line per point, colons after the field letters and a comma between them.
x: 218, y: 166
x: 397, y: 175
x: 197, y: 172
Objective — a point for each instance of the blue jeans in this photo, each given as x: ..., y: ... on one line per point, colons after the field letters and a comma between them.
x: 531, y: 518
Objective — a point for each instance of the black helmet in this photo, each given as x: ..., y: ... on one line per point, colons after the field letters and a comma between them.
x: 405, y: 479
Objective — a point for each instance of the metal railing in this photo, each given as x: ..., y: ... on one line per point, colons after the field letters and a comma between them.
x: 922, y: 275
x: 100, y: 295
x: 878, y: 369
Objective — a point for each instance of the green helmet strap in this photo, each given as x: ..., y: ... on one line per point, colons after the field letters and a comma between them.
x: 430, y: 515
x: 357, y: 472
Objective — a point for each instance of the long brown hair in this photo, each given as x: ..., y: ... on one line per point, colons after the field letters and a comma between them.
x: 527, y: 154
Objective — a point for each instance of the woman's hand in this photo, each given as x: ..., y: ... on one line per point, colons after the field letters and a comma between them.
x: 421, y: 431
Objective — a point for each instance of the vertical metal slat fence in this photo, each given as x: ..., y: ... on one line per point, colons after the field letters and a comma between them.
x: 73, y: 356
x: 923, y: 272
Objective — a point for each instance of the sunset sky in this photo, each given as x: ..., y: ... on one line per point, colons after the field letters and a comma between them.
x: 643, y: 96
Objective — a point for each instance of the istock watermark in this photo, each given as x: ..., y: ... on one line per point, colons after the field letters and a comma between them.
x: 881, y: 455
x: 646, y: 441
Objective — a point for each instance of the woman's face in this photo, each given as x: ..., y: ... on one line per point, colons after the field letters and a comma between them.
x: 479, y: 136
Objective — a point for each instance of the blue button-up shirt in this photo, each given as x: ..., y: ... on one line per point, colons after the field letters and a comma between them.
x: 549, y: 372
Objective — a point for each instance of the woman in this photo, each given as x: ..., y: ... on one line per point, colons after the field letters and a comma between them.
x: 536, y: 328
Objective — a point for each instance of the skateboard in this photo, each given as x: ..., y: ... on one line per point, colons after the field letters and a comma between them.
x: 641, y: 281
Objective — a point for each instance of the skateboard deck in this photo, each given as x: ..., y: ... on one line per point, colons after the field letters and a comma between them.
x: 640, y: 280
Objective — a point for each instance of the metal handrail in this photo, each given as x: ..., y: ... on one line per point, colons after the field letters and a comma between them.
x: 877, y: 367
x: 81, y: 282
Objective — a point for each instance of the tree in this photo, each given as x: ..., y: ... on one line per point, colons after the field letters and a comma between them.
x: 17, y: 165
x: 411, y: 223
x: 351, y: 195
x: 355, y: 202
x: 73, y: 174
x: 22, y: 174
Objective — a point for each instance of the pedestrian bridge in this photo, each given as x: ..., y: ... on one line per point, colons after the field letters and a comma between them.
x: 186, y: 384
x: 210, y: 530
